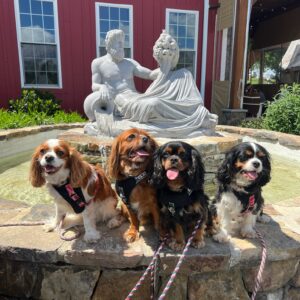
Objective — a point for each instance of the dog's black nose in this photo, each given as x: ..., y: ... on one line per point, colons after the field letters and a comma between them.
x: 145, y: 139
x: 49, y: 158
x: 174, y: 160
x: 256, y: 164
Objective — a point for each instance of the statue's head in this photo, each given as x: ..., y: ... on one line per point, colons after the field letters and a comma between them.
x: 114, y: 43
x: 166, y: 46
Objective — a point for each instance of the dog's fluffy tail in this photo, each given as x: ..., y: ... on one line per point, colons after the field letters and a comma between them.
x: 72, y: 220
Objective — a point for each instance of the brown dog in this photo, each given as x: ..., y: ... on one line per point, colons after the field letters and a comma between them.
x: 130, y: 163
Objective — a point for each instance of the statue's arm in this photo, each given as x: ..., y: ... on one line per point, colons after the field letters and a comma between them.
x: 143, y: 72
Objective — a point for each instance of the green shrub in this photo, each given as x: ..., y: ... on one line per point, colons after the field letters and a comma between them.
x: 9, y: 120
x: 256, y: 123
x: 34, y: 101
x: 283, y: 114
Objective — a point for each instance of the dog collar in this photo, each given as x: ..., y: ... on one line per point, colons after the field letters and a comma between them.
x: 124, y: 187
x: 175, y: 201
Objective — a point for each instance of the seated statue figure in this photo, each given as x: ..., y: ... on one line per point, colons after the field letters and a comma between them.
x: 112, y: 76
x: 171, y: 107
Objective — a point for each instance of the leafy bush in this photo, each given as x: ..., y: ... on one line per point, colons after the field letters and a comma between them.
x: 256, y: 123
x: 283, y: 114
x: 9, y: 120
x: 34, y: 101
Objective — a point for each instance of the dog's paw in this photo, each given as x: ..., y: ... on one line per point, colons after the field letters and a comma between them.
x: 263, y: 219
x: 131, y: 236
x: 248, y: 233
x: 221, y: 237
x: 92, y: 236
x: 198, y: 244
x: 174, y: 245
x: 49, y: 227
x: 115, y: 222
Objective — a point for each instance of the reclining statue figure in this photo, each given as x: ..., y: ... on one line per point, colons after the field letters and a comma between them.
x: 171, y: 107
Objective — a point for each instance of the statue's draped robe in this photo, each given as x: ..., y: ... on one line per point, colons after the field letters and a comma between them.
x: 172, y: 106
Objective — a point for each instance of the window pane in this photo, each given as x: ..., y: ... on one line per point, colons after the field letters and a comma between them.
x: 114, y: 13
x: 39, y: 51
x: 127, y: 52
x: 51, y: 65
x: 36, y: 7
x: 124, y: 14
x: 125, y: 27
x: 173, y: 18
x: 49, y: 22
x: 25, y: 20
x: 49, y: 36
x: 104, y: 13
x: 38, y: 35
x: 191, y: 19
x: 37, y: 21
x: 181, y: 43
x: 102, y: 51
x: 24, y: 6
x: 190, y: 44
x: 190, y: 32
x: 181, y: 31
x: 52, y: 78
x: 27, y: 50
x: 30, y: 78
x: 173, y: 31
x: 50, y: 51
x: 182, y: 19
x: 41, y: 64
x: 41, y: 77
x: 26, y: 34
x: 104, y: 26
x: 29, y: 64
x: 114, y: 25
x: 48, y: 8
x: 102, y: 38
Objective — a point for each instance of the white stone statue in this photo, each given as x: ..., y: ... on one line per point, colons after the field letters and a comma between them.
x: 171, y: 107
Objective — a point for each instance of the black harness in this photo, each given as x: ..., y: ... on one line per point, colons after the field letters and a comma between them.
x: 73, y: 196
x: 176, y: 201
x: 124, y: 187
x: 248, y: 201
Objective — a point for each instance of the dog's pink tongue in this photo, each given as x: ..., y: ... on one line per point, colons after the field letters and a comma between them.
x: 142, y: 153
x: 252, y: 175
x: 172, y: 174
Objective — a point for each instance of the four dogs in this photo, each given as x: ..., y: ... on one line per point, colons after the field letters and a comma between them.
x: 163, y: 185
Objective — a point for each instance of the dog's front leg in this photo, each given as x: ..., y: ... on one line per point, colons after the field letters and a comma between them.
x: 59, y: 216
x: 247, y: 229
x: 91, y: 235
x: 132, y: 233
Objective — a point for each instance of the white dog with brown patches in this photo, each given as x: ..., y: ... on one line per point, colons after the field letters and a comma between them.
x: 82, y: 193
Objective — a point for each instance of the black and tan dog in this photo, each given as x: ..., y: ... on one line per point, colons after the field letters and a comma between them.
x: 179, y: 176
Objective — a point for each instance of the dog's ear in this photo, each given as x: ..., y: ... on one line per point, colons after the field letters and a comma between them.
x: 114, y: 159
x: 195, y: 173
x: 225, y: 171
x: 265, y: 176
x: 79, y: 169
x: 157, y: 177
x: 35, y: 175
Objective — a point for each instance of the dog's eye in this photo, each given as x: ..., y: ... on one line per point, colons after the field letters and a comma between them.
x: 60, y: 153
x: 131, y: 137
x: 165, y: 155
x: 42, y: 151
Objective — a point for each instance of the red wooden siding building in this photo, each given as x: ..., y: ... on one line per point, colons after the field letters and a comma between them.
x: 50, y: 44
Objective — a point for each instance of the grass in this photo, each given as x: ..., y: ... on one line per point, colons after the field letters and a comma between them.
x: 10, y: 120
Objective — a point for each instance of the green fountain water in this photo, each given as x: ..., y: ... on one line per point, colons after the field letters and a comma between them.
x: 14, y: 183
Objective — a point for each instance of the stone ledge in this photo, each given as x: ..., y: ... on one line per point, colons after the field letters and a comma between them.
x: 46, y: 260
x: 6, y: 134
x: 284, y: 139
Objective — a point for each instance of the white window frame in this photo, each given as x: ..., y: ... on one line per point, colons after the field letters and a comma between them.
x: 196, y: 13
x: 57, y: 43
x: 128, y: 6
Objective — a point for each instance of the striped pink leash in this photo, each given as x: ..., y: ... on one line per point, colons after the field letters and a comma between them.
x: 180, y: 261
x: 141, y: 280
x: 258, y: 278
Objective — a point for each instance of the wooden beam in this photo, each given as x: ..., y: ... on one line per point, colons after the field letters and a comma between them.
x: 238, y: 52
